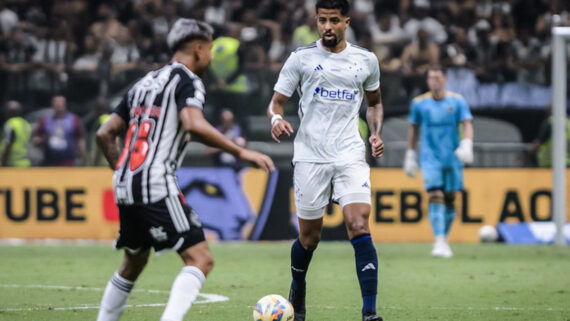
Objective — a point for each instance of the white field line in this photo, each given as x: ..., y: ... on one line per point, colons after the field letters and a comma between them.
x: 205, y: 298
x: 456, y: 308
x: 211, y: 298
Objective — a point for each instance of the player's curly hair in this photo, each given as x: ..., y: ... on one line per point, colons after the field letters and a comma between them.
x: 343, y: 5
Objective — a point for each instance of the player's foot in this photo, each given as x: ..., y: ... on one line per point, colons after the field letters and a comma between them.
x: 441, y: 249
x: 371, y: 316
x: 447, y: 253
x: 297, y: 299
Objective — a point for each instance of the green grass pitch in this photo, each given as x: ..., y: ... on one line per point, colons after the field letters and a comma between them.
x: 482, y: 282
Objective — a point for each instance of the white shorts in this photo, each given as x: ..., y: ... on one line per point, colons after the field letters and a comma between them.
x: 312, y: 183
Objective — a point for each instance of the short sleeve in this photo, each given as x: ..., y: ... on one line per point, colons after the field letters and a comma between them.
x: 289, y: 77
x: 122, y: 109
x: 415, y: 116
x: 464, y: 112
x: 373, y: 81
x: 190, y: 92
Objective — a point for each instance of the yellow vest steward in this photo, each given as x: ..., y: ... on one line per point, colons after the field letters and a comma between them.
x: 19, y: 153
x: 544, y: 156
x: 226, y: 63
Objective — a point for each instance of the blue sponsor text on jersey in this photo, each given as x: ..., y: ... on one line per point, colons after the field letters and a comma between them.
x: 340, y: 94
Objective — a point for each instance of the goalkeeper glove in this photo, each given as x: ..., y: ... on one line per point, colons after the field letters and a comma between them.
x: 410, y: 163
x: 465, y: 151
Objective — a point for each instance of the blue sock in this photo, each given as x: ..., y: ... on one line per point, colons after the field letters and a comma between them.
x: 300, y: 259
x: 449, y: 217
x: 436, y: 210
x: 366, y: 270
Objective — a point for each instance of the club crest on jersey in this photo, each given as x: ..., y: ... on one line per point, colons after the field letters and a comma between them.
x: 158, y: 234
x: 450, y: 109
x: 337, y: 94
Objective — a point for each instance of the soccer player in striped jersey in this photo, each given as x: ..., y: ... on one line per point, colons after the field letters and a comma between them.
x: 157, y: 116
x: 332, y: 77
x: 436, y: 115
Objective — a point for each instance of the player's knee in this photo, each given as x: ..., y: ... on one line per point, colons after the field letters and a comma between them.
x: 357, y: 227
x: 133, y: 264
x: 310, y: 241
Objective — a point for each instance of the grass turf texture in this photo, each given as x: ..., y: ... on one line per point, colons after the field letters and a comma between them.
x: 482, y: 282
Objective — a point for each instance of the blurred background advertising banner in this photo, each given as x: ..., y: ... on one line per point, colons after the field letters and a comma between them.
x: 74, y: 203
x: 250, y: 204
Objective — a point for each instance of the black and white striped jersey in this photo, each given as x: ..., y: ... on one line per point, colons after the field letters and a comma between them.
x: 155, y: 141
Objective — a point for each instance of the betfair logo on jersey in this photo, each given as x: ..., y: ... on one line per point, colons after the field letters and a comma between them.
x: 338, y: 94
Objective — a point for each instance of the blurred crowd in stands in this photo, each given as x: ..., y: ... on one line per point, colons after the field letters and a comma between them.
x: 88, y: 51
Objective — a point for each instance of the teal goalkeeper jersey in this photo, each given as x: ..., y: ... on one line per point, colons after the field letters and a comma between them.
x: 438, y: 121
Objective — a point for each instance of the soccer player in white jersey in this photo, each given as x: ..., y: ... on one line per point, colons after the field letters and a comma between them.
x: 332, y: 77
x: 436, y: 115
x: 157, y: 116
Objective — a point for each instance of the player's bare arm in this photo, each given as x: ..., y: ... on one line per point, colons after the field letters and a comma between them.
x: 375, y: 119
x: 194, y: 122
x: 6, y: 154
x: 279, y: 126
x: 412, y: 136
x: 107, y: 138
x: 468, y: 129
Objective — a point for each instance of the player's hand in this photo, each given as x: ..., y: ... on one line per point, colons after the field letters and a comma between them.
x: 258, y: 159
x: 281, y: 127
x: 465, y: 151
x: 410, y: 163
x: 376, y: 145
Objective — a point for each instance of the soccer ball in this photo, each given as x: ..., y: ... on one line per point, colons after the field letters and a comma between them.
x: 273, y: 307
x: 488, y: 233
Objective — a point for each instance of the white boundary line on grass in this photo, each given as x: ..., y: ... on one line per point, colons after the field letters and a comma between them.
x: 207, y: 298
x: 468, y: 308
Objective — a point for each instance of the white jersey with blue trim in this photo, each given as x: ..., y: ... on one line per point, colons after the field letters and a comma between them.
x: 331, y: 87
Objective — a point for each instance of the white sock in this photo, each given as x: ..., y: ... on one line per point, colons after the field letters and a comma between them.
x: 184, y: 291
x: 440, y: 239
x: 114, y: 298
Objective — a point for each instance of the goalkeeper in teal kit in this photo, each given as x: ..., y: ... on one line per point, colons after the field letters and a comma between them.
x: 436, y: 115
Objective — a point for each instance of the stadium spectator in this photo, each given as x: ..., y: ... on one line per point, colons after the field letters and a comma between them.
x: 417, y: 58
x: 165, y: 19
x: 216, y: 13
x: 8, y: 19
x: 87, y: 62
x: 16, y: 62
x: 420, y: 19
x: 558, y: 15
x: 387, y: 32
x: 459, y: 53
x: 435, y: 116
x: 61, y: 135
x: 528, y: 58
x: 485, y: 51
x: 124, y: 60
x: 233, y: 132
x: 307, y: 32
x: 51, y: 59
x: 15, y: 137
x: 328, y: 149
x: 152, y: 212
x: 107, y: 26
